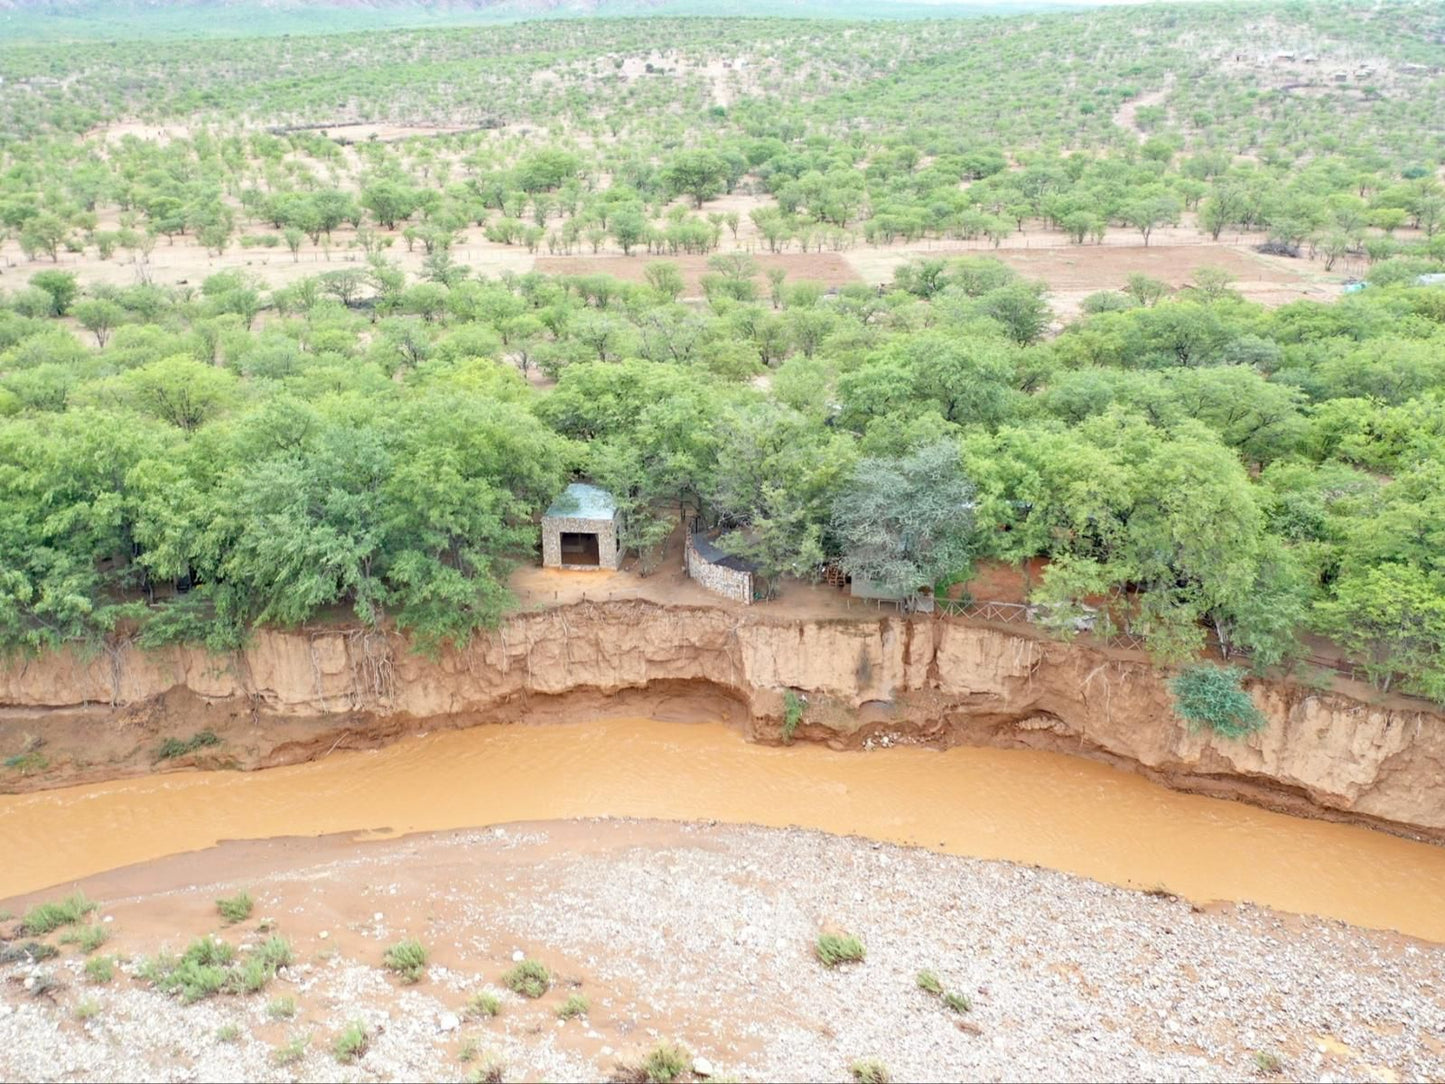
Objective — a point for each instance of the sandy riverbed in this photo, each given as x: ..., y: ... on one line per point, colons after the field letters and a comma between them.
x: 703, y: 934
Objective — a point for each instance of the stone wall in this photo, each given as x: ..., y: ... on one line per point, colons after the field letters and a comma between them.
x: 609, y: 553
x: 727, y: 582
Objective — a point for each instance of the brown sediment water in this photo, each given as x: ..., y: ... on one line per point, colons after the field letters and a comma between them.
x: 1026, y: 806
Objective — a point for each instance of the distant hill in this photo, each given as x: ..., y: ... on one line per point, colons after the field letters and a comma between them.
x: 42, y: 20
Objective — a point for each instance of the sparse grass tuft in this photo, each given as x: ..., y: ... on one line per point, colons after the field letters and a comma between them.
x: 250, y: 976
x: 100, y: 969
x: 276, y: 951
x: 408, y: 959
x: 28, y: 763
x: 87, y: 938
x: 489, y: 1072
x: 292, y: 1052
x: 482, y: 1004
x: 228, y: 1033
x: 469, y: 1051
x: 31, y: 952
x: 281, y: 1008
x: 833, y: 949
x: 1268, y: 1064
x: 870, y: 1071
x: 351, y: 1043
x: 236, y: 908
x: 530, y: 978
x: 47, y: 917
x: 959, y: 1003
x: 575, y: 1005
x: 87, y: 1009
x: 178, y: 747
x: 929, y: 983
x: 209, y: 951
x: 665, y: 1062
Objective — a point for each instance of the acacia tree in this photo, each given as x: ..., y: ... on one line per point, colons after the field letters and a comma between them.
x: 700, y: 174
x: 906, y: 523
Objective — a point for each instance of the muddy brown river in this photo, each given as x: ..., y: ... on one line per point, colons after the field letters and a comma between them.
x: 1033, y: 807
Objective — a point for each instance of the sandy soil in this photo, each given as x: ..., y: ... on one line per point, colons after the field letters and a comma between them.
x: 1073, y: 272
x: 703, y: 934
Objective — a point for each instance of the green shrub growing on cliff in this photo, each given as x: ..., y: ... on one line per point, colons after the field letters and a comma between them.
x: 177, y: 747
x: 792, y: 714
x: 1210, y: 696
x: 870, y: 1071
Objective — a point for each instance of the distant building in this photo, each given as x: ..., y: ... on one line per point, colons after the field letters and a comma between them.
x: 582, y: 529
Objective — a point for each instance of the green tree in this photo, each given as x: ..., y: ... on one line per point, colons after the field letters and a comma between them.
x: 905, y: 523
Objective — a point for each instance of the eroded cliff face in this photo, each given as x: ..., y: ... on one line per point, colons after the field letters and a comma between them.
x: 880, y: 680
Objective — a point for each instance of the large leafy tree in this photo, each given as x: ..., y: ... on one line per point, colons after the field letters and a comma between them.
x: 904, y: 524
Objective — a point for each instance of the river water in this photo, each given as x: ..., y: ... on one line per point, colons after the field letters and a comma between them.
x: 1033, y: 807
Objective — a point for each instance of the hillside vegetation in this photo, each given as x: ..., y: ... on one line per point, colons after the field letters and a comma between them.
x: 374, y: 420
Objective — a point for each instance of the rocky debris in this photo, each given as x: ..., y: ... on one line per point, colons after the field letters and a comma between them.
x: 703, y: 935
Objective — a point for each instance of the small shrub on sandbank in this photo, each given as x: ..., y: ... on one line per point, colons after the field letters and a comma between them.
x: 833, y: 949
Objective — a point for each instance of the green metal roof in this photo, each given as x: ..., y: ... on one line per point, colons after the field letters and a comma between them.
x: 581, y: 501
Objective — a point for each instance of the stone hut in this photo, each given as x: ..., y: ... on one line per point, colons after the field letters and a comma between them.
x: 582, y: 530
x: 719, y: 572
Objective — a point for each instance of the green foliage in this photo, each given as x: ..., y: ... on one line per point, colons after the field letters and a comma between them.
x: 1267, y: 1063
x: 408, y: 959
x: 1210, y: 696
x: 171, y: 748
x: 351, y: 1043
x: 833, y: 949
x: 482, y: 1005
x: 281, y: 1008
x: 904, y: 523
x: 43, y: 918
x: 1193, y: 466
x: 664, y: 1063
x: 210, y: 966
x: 28, y: 763
x: 292, y: 1051
x: 870, y: 1071
x: 87, y: 938
x: 100, y: 969
x: 575, y: 1005
x: 929, y: 983
x: 530, y: 978
x: 86, y: 1009
x: 959, y: 1003
x: 792, y: 713
x: 228, y: 1033
x: 236, y: 908
x: 31, y: 952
